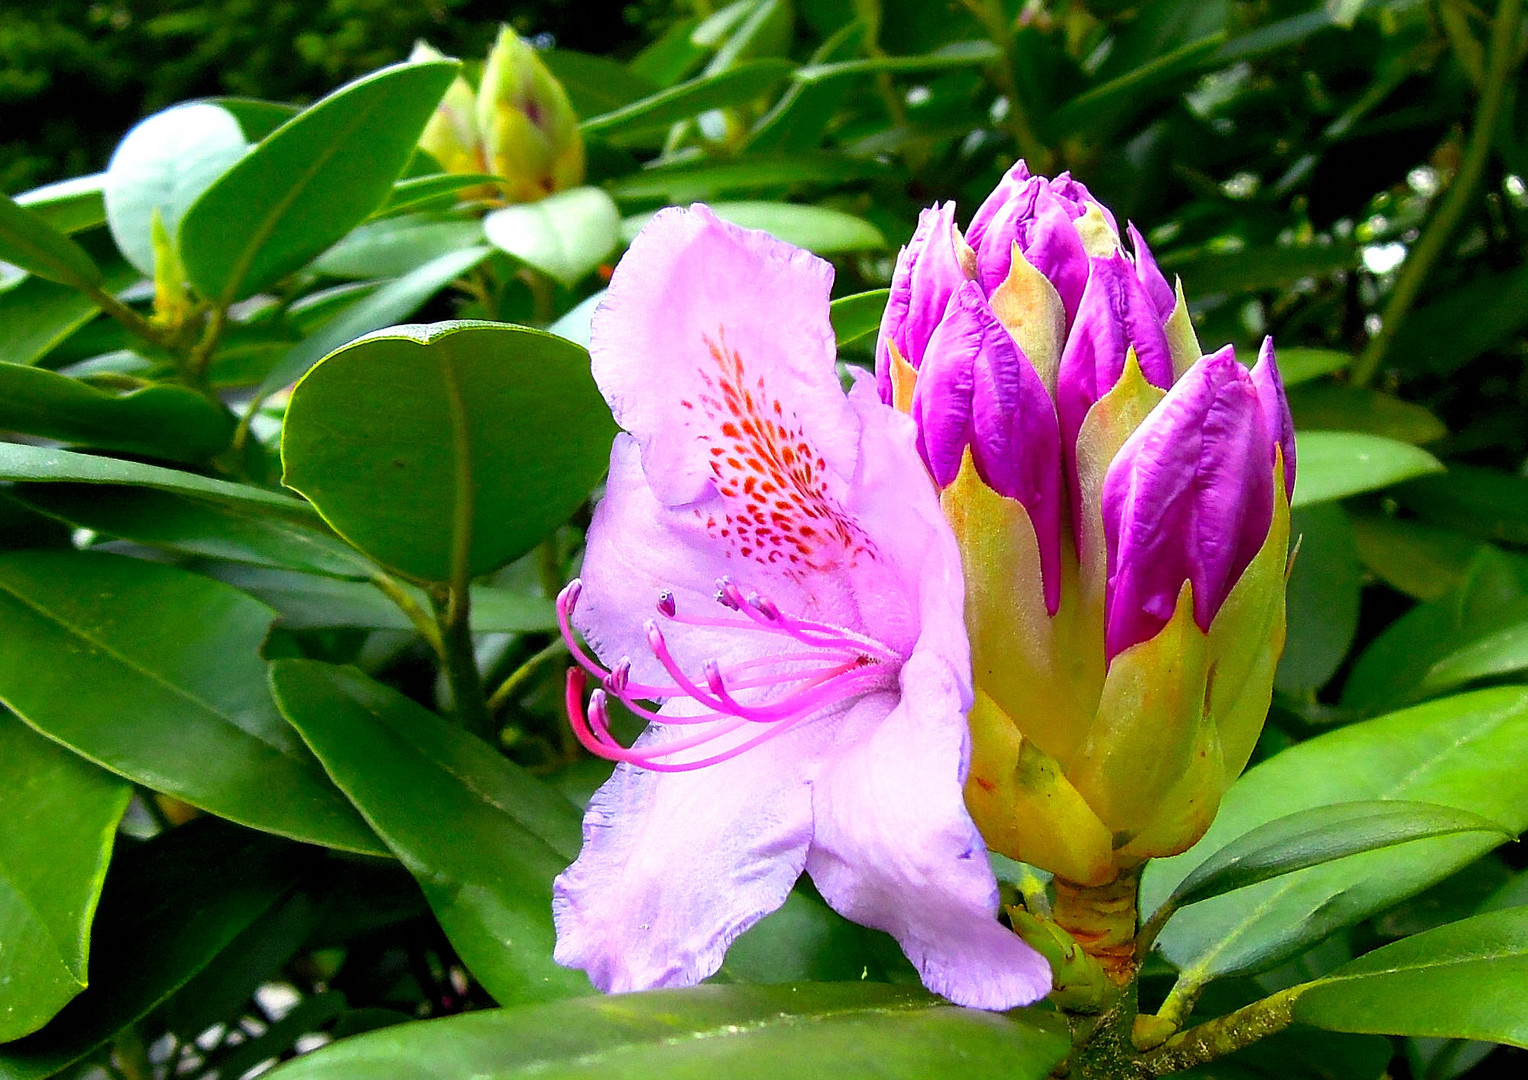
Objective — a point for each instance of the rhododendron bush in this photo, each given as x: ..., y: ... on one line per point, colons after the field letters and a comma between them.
x: 882, y: 539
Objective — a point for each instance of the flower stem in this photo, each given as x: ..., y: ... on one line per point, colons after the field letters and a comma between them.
x: 393, y: 589
x: 1224, y: 1035
x: 453, y: 614
x: 518, y: 678
x: 1103, y: 921
x: 1461, y: 193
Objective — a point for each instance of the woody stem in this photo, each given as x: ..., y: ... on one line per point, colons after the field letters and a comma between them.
x: 1103, y: 921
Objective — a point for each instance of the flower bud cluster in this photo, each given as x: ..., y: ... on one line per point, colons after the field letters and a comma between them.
x: 1122, y: 506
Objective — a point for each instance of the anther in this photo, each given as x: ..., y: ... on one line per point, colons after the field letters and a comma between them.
x: 765, y: 606
x: 728, y: 594
x: 619, y: 676
x: 666, y: 604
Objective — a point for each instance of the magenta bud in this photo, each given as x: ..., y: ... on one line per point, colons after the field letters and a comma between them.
x: 1163, y: 298
x: 1023, y: 208
x: 1281, y: 425
x: 1189, y: 497
x: 928, y: 272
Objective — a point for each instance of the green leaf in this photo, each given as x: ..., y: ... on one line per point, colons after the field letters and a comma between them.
x: 857, y: 316
x: 735, y: 86
x: 91, y: 638
x: 483, y: 837
x: 21, y: 463
x: 28, y: 241
x: 689, y: 182
x: 596, y: 84
x: 957, y: 54
x: 70, y: 206
x: 309, y: 182
x: 1466, y: 980
x: 419, y: 412
x: 309, y: 601
x: 195, y: 526
x: 1502, y: 652
x: 387, y: 305
x: 1417, y: 559
x: 1323, y: 589
x: 1321, y: 834
x: 1463, y: 323
x: 60, y: 815
x: 800, y: 118
x: 161, y: 167
x: 854, y: 1031
x: 419, y: 190
x: 1336, y: 464
x: 168, y: 909
x: 1483, y: 502
x: 816, y: 228
x: 395, y: 246
x: 673, y: 56
x: 162, y: 421
x: 1332, y: 407
x: 1256, y: 269
x: 37, y: 315
x: 1298, y: 365
x: 565, y: 235
x: 1462, y: 752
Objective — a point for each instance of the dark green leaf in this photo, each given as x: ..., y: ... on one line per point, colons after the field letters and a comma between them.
x: 680, y: 185
x: 856, y: 316
x: 565, y: 235
x: 1256, y: 269
x: 1479, y: 501
x: 60, y: 815
x: 737, y: 85
x: 1323, y: 597
x: 1336, y: 464
x: 157, y: 421
x: 18, y: 462
x: 387, y: 305
x: 816, y: 228
x: 309, y: 182
x: 419, y: 412
x: 1455, y: 328
x: 1462, y: 752
x: 395, y: 246
x: 957, y: 54
x: 1321, y: 834
x: 307, y: 601
x: 27, y: 240
x: 483, y: 838
x: 596, y: 84
x: 419, y: 190
x: 91, y: 638
x: 38, y: 314
x: 1298, y: 365
x: 197, y: 526
x: 1417, y: 559
x: 1466, y: 980
x: 168, y: 910
x: 856, y: 1031
x: 1329, y: 406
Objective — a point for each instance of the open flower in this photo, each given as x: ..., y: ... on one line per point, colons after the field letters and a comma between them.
x: 770, y: 564
x: 1122, y: 507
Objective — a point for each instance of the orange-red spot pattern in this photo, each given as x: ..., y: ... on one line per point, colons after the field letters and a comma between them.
x: 773, y: 481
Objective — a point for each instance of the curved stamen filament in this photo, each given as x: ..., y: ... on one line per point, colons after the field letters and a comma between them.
x: 838, y: 664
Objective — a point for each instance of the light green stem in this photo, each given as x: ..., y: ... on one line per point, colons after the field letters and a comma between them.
x: 1223, y: 1035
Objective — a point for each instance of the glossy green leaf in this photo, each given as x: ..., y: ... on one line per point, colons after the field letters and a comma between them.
x: 60, y: 815
x: 565, y: 235
x: 1297, y: 365
x: 1483, y: 502
x: 736, y: 85
x: 1336, y: 464
x: 195, y: 526
x: 395, y: 246
x: 161, y: 167
x: 309, y: 182
x: 856, y: 1031
x: 1462, y: 752
x: 596, y: 84
x: 1321, y: 834
x: 420, y: 411
x: 483, y: 837
x: 816, y: 228
x: 91, y: 638
x: 419, y: 190
x: 1323, y: 592
x: 673, y: 56
x: 1417, y: 559
x: 1501, y: 652
x: 38, y: 314
x: 1466, y: 980
x: 1332, y: 407
x: 308, y: 601
x: 957, y: 54
x: 70, y: 206
x: 1460, y: 325
x: 857, y: 316
x: 168, y: 909
x: 22, y: 463
x: 162, y: 421
x: 387, y: 305
x: 28, y: 241
x: 688, y: 183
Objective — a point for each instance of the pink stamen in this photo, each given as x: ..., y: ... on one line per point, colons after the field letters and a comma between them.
x: 838, y: 664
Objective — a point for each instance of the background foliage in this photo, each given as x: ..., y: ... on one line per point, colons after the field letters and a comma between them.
x: 258, y: 798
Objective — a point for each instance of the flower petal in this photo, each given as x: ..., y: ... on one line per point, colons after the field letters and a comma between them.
x: 1150, y: 275
x: 1189, y: 497
x: 1281, y: 425
x: 928, y: 271
x: 676, y: 865
x: 1042, y: 224
x: 682, y: 346
x: 942, y: 397
x: 895, y: 849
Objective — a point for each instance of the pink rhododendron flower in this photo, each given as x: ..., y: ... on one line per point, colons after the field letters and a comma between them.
x: 771, y: 565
